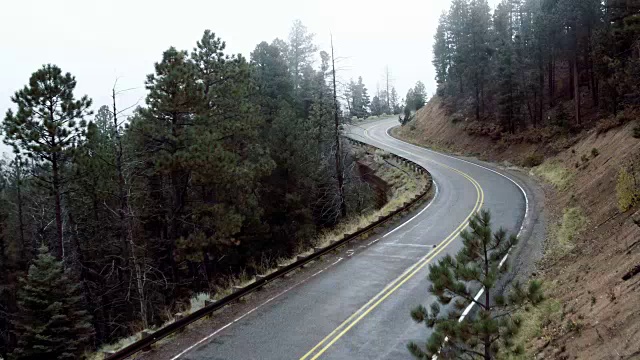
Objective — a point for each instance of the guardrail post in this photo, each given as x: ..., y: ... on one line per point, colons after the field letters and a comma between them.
x: 145, y: 334
x: 180, y: 316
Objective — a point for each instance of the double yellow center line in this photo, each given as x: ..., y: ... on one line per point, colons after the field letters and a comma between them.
x: 343, y: 328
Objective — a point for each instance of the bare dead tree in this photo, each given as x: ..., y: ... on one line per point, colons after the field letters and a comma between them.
x: 336, y: 117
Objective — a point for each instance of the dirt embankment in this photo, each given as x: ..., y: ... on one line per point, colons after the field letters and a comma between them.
x: 592, y: 313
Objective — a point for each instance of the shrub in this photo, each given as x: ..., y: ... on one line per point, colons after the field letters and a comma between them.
x: 584, y: 158
x: 533, y: 160
x: 611, y: 123
x: 626, y: 190
x: 595, y: 152
x: 636, y: 132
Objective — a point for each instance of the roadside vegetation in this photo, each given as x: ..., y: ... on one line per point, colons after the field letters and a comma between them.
x: 489, y: 331
x: 555, y: 173
x: 403, y: 185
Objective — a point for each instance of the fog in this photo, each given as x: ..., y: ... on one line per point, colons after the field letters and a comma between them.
x: 101, y: 41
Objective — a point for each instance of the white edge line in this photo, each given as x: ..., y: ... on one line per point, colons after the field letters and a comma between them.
x: 249, y: 312
x: 418, y: 214
x: 526, y: 210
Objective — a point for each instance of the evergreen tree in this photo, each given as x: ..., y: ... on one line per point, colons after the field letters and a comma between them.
x: 300, y: 51
x: 454, y: 282
x: 395, y: 104
x: 479, y: 50
x: 376, y: 106
x: 509, y: 99
x: 51, y: 323
x: 441, y: 52
x: 419, y: 95
x: 359, y: 101
x: 46, y: 127
x: 458, y: 32
x: 270, y: 75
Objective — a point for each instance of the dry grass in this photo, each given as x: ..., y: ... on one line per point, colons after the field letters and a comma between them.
x: 404, y: 184
x: 100, y: 354
x: 555, y: 173
x: 563, y: 234
x: 534, y: 320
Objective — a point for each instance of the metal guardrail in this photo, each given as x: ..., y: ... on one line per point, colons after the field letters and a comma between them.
x: 145, y: 343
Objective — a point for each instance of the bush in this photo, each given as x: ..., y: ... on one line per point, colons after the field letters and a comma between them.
x: 626, y: 190
x: 595, y: 152
x: 584, y: 158
x: 533, y: 160
x: 636, y: 132
x: 612, y: 122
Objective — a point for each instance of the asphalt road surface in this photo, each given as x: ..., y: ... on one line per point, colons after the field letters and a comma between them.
x: 358, y: 308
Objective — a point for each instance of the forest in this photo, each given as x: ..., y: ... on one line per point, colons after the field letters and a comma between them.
x: 532, y: 64
x: 111, y: 220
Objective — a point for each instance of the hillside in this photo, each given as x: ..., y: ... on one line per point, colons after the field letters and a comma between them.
x: 591, y: 312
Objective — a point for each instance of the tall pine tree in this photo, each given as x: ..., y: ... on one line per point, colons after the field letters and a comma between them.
x: 46, y: 127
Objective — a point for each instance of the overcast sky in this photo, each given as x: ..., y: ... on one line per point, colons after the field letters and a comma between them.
x: 99, y: 41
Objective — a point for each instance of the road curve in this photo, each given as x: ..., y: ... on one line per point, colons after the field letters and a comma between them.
x: 358, y: 307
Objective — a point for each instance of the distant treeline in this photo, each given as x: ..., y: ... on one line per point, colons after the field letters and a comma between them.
x: 520, y: 65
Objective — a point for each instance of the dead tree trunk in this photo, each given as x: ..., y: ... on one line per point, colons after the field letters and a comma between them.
x: 338, y: 155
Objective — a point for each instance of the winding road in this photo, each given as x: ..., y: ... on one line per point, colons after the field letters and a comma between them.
x: 358, y: 307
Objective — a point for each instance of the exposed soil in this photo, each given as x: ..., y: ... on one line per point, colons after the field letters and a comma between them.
x: 600, y: 316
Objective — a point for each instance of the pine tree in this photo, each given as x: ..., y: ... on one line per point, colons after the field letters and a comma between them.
x: 300, y: 51
x: 51, y: 322
x: 46, y: 127
x: 441, y: 52
x: 376, y: 106
x: 458, y: 33
x: 479, y: 50
x: 419, y: 95
x: 454, y: 282
x: 395, y: 104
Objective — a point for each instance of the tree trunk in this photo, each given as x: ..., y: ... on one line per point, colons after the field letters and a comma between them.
x: 572, y: 80
x: 58, y: 206
x: 338, y: 158
x: 477, y: 88
x: 551, y: 82
x: 20, y: 211
x: 576, y: 89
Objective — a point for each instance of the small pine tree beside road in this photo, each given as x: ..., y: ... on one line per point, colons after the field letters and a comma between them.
x: 490, y: 328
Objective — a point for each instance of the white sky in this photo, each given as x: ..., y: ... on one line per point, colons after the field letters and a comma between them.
x: 99, y: 41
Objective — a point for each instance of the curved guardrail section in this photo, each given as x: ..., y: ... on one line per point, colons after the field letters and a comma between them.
x: 145, y: 343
